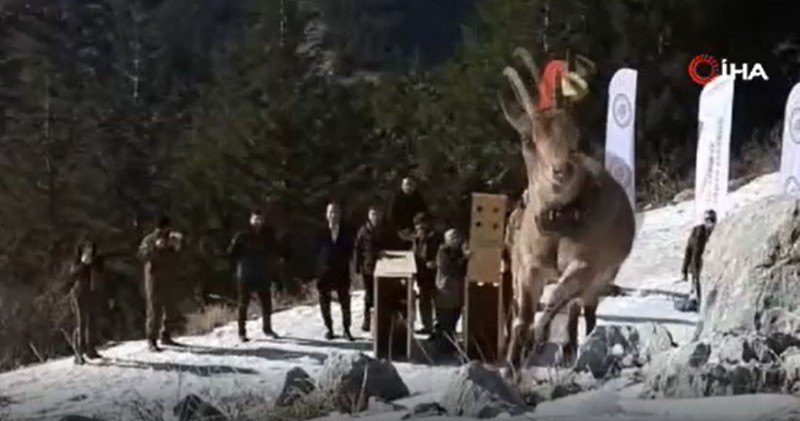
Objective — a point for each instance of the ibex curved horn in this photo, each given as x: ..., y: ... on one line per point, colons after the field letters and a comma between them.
x: 523, y: 97
x: 519, y: 123
x: 527, y: 59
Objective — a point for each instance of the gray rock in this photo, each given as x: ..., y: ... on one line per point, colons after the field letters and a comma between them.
x: 749, y: 333
x: 425, y: 410
x: 752, y: 267
x: 297, y: 384
x: 192, y: 408
x: 477, y: 391
x: 548, y: 354
x: 354, y: 378
x: 609, y: 349
x: 376, y: 406
x: 730, y: 365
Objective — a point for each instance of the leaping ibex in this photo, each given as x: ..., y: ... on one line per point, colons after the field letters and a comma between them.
x: 577, y: 228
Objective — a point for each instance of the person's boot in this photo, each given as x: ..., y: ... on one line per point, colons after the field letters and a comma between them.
x: 93, y: 354
x: 268, y: 332
x: 348, y: 336
x: 243, y: 338
x: 152, y: 346
x: 367, y: 325
x: 329, y: 334
x: 168, y: 341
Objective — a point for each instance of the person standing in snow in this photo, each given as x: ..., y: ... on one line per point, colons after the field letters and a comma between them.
x: 334, y: 254
x: 255, y: 253
x: 451, y: 262
x: 406, y: 204
x: 695, y: 246
x: 425, y: 247
x: 160, y: 251
x: 371, y: 241
x: 88, y: 296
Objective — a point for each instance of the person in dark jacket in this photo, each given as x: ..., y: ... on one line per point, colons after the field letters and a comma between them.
x: 255, y: 253
x: 695, y: 246
x: 406, y: 204
x: 160, y: 251
x: 451, y: 262
x: 371, y: 241
x: 425, y: 246
x: 333, y: 269
x: 88, y: 296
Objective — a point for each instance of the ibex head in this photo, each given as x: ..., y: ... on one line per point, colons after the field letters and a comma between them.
x: 550, y: 137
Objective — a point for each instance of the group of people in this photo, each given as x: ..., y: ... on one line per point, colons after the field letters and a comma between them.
x: 342, y: 254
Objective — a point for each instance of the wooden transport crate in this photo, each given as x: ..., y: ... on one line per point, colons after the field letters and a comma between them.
x: 483, y: 310
x: 394, y: 311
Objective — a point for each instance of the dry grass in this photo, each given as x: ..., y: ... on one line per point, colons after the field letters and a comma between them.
x: 136, y: 407
x: 209, y: 318
x: 317, y: 404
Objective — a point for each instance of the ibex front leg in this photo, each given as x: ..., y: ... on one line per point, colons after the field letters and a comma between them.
x: 530, y: 292
x: 575, y: 278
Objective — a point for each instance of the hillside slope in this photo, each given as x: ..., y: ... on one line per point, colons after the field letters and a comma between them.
x: 218, y: 367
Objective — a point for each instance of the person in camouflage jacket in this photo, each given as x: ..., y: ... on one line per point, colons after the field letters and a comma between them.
x: 160, y: 252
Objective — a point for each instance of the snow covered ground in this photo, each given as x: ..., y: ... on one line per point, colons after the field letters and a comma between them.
x: 216, y: 366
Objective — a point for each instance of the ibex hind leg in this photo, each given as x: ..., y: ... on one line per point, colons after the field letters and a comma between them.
x: 572, y: 283
x: 523, y: 319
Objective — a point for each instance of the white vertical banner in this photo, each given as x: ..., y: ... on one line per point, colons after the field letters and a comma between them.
x: 790, y: 150
x: 621, y: 131
x: 715, y: 115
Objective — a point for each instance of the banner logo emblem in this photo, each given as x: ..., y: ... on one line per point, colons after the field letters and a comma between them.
x: 621, y: 108
x: 619, y: 170
x: 792, y: 186
x: 794, y: 125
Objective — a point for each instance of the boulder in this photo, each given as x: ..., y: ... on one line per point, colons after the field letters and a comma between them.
x: 609, y: 349
x: 477, y: 391
x: 353, y: 378
x: 297, y: 384
x: 425, y: 410
x: 192, y: 408
x: 749, y: 331
x: 376, y: 406
x: 751, y: 270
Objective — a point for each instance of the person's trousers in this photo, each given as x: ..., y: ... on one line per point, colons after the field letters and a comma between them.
x: 84, y: 335
x: 325, y: 296
x: 446, y: 322
x: 162, y: 315
x: 245, y: 291
x: 369, y: 292
x: 696, y: 287
x: 426, y: 282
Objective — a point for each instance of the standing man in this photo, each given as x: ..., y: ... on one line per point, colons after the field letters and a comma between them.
x: 426, y: 246
x: 371, y: 241
x: 451, y: 262
x: 695, y: 246
x: 405, y: 205
x: 86, y: 279
x: 255, y: 252
x: 333, y: 269
x: 159, y: 251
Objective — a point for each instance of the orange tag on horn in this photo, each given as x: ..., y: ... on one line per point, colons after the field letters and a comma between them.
x: 552, y: 77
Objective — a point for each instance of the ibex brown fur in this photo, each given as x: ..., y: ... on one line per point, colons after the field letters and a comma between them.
x: 576, y: 230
